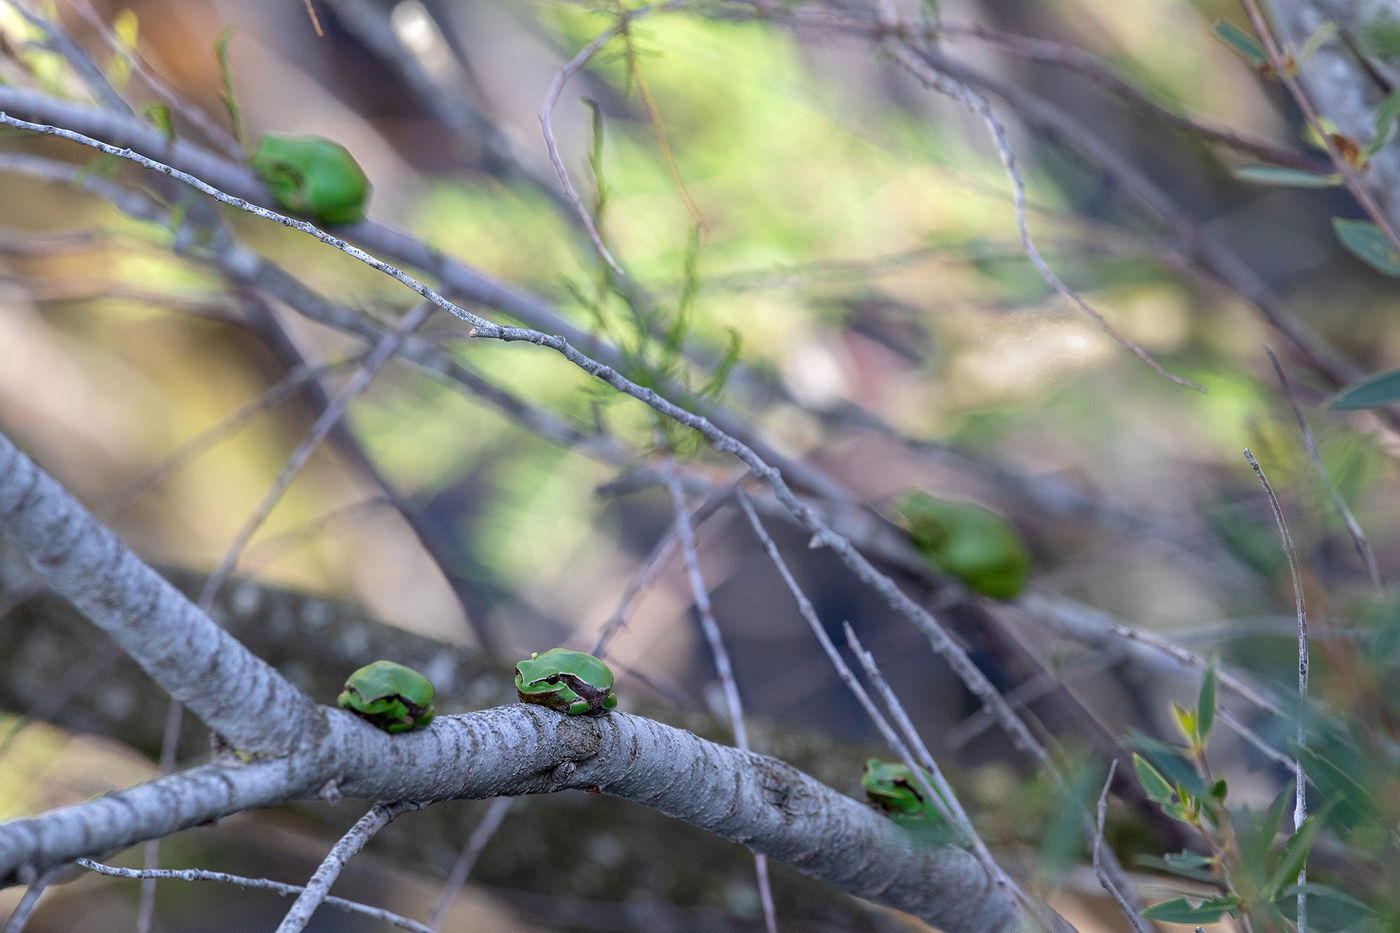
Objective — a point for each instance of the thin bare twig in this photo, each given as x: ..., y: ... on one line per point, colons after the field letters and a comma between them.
x: 1255, y: 739
x: 449, y: 101
x: 1035, y: 688
x: 1058, y: 54
x: 17, y: 242
x: 481, y: 834
x: 1092, y: 626
x: 349, y: 845
x: 643, y: 579
x: 551, y: 97
x: 274, y: 546
x: 44, y: 289
x: 315, y: 20
x: 1133, y: 916
x: 25, y: 908
x: 685, y: 533
x: 262, y: 884
x: 357, y: 383
x: 926, y: 73
x: 658, y: 128
x: 1300, y: 797
x: 278, y: 393
x: 150, y: 852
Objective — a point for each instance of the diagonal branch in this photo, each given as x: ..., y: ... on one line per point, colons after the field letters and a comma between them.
x: 751, y: 799
x: 235, y: 693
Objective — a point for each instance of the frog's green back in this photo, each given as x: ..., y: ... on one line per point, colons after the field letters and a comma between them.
x: 312, y: 176
x: 969, y: 542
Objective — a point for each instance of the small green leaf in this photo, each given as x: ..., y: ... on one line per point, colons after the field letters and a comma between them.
x: 1372, y: 392
x: 1155, y: 786
x: 1384, y: 122
x: 124, y: 27
x: 158, y: 114
x: 1171, y: 760
x: 1205, y: 702
x: 1313, y: 889
x: 1242, y: 42
x: 595, y: 159
x: 1381, y: 38
x: 1295, y: 853
x: 1177, y: 812
x: 1179, y: 910
x: 1257, y: 831
x: 1287, y: 177
x: 1165, y: 865
x: 235, y: 116
x: 1367, y: 243
x: 1186, y: 864
x: 177, y: 217
x: 1186, y: 722
x: 1314, y: 42
x: 715, y: 385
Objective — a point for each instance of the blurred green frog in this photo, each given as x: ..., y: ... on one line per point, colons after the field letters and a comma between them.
x: 973, y: 544
x: 312, y: 177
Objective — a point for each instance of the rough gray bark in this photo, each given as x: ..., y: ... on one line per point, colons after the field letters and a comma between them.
x: 235, y: 693
x: 49, y: 653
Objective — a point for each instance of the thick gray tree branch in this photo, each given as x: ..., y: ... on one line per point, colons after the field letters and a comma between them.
x: 747, y: 798
x: 235, y: 693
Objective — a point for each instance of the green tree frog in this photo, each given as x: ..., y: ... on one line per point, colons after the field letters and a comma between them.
x: 393, y: 697
x: 966, y: 541
x: 312, y: 176
x: 570, y: 681
x: 891, y: 787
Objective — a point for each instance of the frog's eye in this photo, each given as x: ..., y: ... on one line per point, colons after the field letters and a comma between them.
x: 287, y: 177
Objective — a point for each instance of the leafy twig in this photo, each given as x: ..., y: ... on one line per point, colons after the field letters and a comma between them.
x: 1285, y: 68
